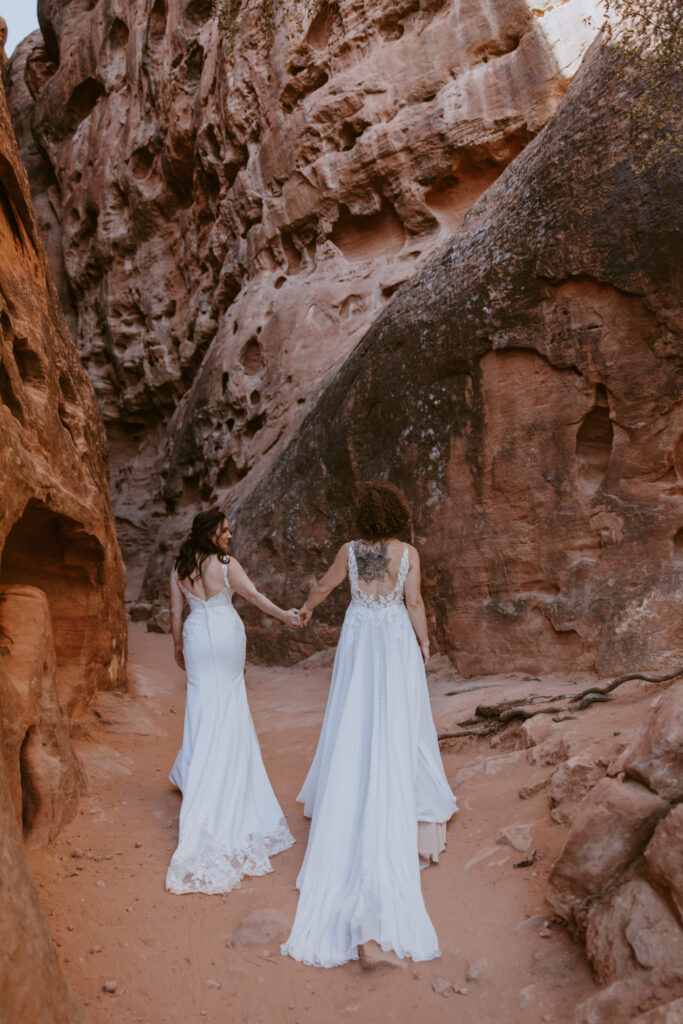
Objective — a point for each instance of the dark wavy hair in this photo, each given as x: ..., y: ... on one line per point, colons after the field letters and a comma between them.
x: 381, y: 510
x: 198, y: 544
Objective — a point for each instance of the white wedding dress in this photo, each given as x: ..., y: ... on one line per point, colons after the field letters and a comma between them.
x: 230, y: 820
x: 377, y: 772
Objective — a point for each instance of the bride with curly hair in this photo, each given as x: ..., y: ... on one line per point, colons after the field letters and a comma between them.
x: 376, y: 791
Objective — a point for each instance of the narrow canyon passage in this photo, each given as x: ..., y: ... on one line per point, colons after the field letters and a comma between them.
x: 102, y: 882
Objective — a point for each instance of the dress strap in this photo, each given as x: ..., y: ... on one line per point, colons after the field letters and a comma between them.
x: 353, y: 569
x: 403, y: 570
x: 185, y: 591
x: 225, y: 573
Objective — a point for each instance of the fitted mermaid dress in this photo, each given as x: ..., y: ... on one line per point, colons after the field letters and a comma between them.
x: 230, y: 820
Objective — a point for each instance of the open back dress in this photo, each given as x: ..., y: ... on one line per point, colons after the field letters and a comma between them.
x: 376, y: 774
x: 230, y: 820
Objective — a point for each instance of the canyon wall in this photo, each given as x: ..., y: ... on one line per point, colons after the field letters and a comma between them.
x: 526, y: 389
x: 226, y: 219
x: 62, y: 618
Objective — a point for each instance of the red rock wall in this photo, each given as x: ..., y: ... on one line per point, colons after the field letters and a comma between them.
x: 62, y: 619
x: 32, y: 988
x: 225, y: 224
x: 56, y: 526
x: 525, y: 389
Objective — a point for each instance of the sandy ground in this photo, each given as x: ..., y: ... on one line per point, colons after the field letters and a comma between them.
x: 102, y: 882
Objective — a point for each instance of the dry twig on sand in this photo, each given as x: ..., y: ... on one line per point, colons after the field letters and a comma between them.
x: 489, y: 719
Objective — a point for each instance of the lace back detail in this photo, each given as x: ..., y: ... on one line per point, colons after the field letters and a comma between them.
x: 382, y: 600
x: 195, y: 601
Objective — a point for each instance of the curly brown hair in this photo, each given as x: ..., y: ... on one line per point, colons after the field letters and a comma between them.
x: 381, y: 510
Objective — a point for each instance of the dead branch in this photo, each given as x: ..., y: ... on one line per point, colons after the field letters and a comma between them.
x: 494, y: 717
x: 625, y: 679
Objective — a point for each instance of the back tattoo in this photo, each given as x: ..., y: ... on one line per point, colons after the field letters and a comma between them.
x: 372, y: 560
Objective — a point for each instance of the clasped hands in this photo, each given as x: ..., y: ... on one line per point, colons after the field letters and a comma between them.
x: 298, y: 617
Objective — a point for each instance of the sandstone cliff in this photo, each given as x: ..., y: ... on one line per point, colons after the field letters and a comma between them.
x: 62, y: 622
x: 525, y: 389
x: 225, y: 222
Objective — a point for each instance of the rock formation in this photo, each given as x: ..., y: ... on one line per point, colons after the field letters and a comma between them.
x: 62, y: 622
x: 618, y: 882
x: 56, y: 527
x: 3, y: 41
x: 31, y: 985
x: 225, y: 221
x: 44, y: 777
x: 525, y: 390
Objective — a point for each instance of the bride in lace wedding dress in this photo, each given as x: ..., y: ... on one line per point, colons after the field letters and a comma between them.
x: 376, y: 790
x: 230, y: 820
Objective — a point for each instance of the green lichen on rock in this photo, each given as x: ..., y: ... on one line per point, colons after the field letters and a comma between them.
x: 231, y: 12
x: 648, y: 36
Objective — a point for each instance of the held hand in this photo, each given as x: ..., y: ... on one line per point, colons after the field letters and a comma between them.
x: 305, y: 615
x: 179, y: 657
x: 292, y: 618
x: 424, y: 648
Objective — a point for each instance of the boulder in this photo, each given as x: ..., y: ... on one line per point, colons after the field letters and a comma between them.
x: 537, y: 729
x: 568, y: 784
x: 611, y: 827
x: 632, y: 927
x: 625, y: 999
x: 664, y: 858
x: 667, y: 1013
x: 655, y: 755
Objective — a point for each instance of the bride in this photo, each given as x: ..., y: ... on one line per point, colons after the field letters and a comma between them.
x: 376, y: 790
x: 230, y: 820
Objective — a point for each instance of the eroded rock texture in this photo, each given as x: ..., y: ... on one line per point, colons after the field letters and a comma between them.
x: 225, y: 224
x: 62, y: 622
x: 526, y: 391
x: 56, y: 526
x: 31, y: 985
x: 617, y: 882
x: 44, y: 775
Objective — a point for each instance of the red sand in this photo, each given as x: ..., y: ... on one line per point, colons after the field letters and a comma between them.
x: 169, y: 955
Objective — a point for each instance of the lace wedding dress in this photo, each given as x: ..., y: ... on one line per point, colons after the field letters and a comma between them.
x: 230, y: 820
x: 377, y: 772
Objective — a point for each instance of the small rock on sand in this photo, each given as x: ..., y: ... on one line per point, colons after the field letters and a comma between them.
x: 516, y: 836
x: 475, y: 972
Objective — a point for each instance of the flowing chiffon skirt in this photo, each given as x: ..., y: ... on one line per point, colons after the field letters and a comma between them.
x: 377, y: 772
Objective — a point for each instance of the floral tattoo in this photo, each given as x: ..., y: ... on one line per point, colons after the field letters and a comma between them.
x: 372, y: 560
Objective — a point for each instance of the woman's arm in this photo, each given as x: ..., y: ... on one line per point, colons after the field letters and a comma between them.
x: 415, y: 604
x: 332, y: 578
x: 242, y: 585
x: 177, y: 620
